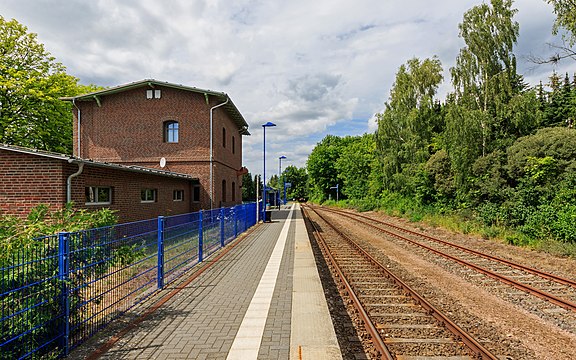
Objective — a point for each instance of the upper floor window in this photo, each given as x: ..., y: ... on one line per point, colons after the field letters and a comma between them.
x: 223, y: 137
x: 171, y: 131
x: 233, y: 145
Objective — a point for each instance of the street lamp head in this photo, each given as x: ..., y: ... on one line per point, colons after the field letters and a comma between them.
x: 268, y: 124
x: 282, y: 157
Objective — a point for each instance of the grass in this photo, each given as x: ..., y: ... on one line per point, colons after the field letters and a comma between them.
x: 462, y: 221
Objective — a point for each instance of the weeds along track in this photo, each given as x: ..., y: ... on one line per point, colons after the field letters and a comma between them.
x: 399, y: 323
x: 558, y: 292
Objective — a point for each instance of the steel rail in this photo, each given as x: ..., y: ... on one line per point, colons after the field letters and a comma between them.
x: 480, y: 351
x: 543, y: 274
x: 368, y: 324
x: 568, y: 305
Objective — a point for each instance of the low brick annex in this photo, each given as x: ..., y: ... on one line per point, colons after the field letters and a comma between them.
x: 31, y: 177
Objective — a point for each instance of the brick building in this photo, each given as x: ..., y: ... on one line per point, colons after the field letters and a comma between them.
x: 31, y: 177
x: 148, y: 122
x: 146, y: 148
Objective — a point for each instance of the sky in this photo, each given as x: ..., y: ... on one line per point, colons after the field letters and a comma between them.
x: 311, y: 67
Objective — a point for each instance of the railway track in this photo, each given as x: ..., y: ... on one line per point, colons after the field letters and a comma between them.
x: 554, y: 289
x: 401, y: 324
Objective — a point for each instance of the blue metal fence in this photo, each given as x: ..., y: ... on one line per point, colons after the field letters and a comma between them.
x: 59, y: 290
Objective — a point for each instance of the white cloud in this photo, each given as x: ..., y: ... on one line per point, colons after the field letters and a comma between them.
x: 309, y: 66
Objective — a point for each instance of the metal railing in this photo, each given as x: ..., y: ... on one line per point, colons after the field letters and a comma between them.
x: 62, y: 289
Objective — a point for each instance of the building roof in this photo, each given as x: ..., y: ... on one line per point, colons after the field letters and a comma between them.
x: 74, y: 159
x: 230, y: 108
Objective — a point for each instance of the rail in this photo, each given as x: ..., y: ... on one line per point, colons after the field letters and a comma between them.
x: 479, y: 351
x: 564, y: 303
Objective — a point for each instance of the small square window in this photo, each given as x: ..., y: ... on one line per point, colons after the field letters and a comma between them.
x: 96, y: 195
x: 148, y: 195
x: 157, y: 94
x: 149, y: 94
x: 178, y: 195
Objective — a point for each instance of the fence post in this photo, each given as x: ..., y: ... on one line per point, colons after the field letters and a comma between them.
x: 235, y: 216
x: 200, y: 236
x: 222, y: 227
x: 160, y: 252
x: 63, y: 275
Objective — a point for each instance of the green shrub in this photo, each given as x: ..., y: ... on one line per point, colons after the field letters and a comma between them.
x: 38, y: 305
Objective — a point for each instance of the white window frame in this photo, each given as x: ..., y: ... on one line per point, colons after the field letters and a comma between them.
x: 148, y: 195
x: 171, y: 132
x: 95, y: 190
x: 178, y: 195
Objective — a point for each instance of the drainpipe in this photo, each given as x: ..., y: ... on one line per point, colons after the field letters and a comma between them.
x: 74, y: 103
x: 211, y: 149
x: 69, y: 180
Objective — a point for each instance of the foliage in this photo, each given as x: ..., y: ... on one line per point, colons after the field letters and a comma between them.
x: 557, y: 143
x: 248, y: 187
x: 31, y: 261
x: 409, y: 122
x: 298, y: 178
x: 31, y: 85
x: 565, y: 11
x: 355, y: 167
x: 496, y: 158
x: 321, y: 166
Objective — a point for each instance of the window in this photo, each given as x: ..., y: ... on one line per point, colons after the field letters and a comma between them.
x: 196, y: 193
x: 96, y: 195
x: 171, y: 131
x: 178, y: 195
x: 223, y: 190
x: 148, y: 195
x: 233, y: 145
x: 223, y: 137
x: 233, y: 190
x: 153, y: 94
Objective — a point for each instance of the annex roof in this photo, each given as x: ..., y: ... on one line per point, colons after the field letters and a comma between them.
x: 230, y: 107
x: 73, y: 159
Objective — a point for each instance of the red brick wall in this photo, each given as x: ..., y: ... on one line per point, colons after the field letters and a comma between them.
x: 126, y: 187
x: 27, y: 180
x: 128, y: 128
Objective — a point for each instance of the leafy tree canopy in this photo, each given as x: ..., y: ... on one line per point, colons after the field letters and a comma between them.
x: 565, y: 11
x: 31, y: 83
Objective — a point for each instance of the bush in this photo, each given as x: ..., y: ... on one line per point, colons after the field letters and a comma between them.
x: 29, y: 275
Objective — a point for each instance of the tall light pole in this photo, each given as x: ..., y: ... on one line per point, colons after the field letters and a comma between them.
x: 280, y: 174
x: 264, y: 126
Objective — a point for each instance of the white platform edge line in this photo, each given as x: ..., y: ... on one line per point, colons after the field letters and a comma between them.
x: 247, y: 342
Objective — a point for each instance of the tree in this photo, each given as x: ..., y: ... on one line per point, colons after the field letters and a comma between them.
x: 298, y: 179
x: 357, y: 166
x: 31, y: 83
x: 248, y: 188
x: 321, y: 166
x: 410, y: 120
x: 565, y: 11
x: 478, y: 117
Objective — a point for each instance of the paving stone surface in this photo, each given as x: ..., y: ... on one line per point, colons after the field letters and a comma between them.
x: 201, y: 321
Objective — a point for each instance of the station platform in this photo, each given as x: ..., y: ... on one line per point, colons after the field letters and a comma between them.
x: 262, y: 299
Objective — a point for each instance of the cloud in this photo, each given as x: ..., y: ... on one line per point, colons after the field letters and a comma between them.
x: 313, y: 68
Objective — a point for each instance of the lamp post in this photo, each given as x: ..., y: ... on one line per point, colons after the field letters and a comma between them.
x: 264, y: 126
x: 280, y: 174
